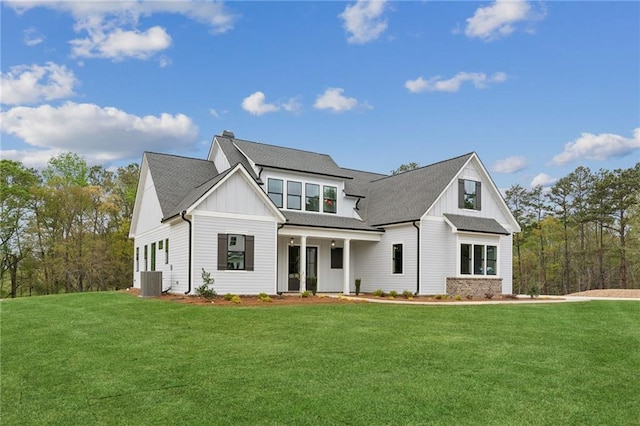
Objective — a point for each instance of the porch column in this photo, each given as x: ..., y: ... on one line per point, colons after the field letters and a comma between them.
x: 345, y: 264
x: 303, y: 263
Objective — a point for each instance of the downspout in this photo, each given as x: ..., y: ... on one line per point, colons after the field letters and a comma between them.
x: 418, y: 262
x: 280, y: 226
x: 190, y: 225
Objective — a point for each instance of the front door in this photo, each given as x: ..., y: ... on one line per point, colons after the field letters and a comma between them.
x: 294, y: 267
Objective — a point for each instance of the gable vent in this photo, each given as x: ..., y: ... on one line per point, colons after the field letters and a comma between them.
x: 228, y: 134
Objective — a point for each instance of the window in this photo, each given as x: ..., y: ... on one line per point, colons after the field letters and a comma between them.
x: 484, y: 259
x: 145, y: 258
x: 153, y: 256
x: 160, y: 245
x: 312, y: 197
x: 274, y: 187
x: 166, y: 251
x: 336, y: 257
x: 137, y: 259
x: 397, y: 258
x: 294, y: 195
x: 330, y: 194
x: 235, y: 252
x: 469, y: 192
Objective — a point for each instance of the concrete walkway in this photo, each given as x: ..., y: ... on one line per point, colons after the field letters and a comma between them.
x: 522, y: 299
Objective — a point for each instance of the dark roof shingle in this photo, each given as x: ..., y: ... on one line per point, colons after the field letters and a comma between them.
x: 476, y: 224
x: 326, y: 221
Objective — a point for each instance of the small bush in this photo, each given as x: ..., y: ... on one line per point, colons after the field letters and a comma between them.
x: 228, y: 297
x: 305, y: 294
x: 458, y: 297
x: 358, y: 284
x: 264, y: 297
x: 534, y: 291
x: 407, y: 294
x: 439, y: 296
x: 489, y: 295
x: 206, y: 289
x: 379, y: 293
x: 236, y: 299
x: 313, y: 283
x: 510, y: 296
x: 393, y: 294
x: 469, y: 297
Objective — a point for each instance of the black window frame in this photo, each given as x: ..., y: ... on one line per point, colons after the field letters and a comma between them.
x: 294, y: 196
x: 474, y: 266
x: 166, y: 251
x: 146, y: 263
x: 309, y: 199
x: 137, y: 259
x: 224, y: 253
x: 397, y: 258
x: 337, y: 257
x: 328, y: 201
x: 273, y: 194
x: 469, y: 200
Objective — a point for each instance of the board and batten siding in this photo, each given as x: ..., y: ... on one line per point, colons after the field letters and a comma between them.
x: 438, y: 254
x: 150, y: 213
x: 373, y: 261
x: 205, y: 254
x: 235, y: 195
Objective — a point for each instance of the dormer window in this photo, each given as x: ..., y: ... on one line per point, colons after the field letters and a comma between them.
x: 294, y: 195
x: 469, y: 192
x: 274, y: 187
x: 312, y: 192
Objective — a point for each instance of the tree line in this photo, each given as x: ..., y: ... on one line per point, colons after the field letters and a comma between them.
x: 65, y: 228
x: 583, y: 233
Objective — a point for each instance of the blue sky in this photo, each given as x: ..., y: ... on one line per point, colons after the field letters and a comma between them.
x: 535, y: 88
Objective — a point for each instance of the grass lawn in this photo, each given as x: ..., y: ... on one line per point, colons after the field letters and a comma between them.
x: 110, y: 358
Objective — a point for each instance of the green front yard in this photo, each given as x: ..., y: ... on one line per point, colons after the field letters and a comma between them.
x: 110, y: 358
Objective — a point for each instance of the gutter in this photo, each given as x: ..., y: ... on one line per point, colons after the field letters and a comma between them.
x: 418, y: 262
x: 190, y: 233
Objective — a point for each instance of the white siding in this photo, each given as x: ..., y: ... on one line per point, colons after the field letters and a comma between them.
x: 505, y: 259
x: 205, y: 255
x: 373, y: 261
x: 219, y: 159
x: 174, y: 273
x: 438, y: 254
x: 236, y: 195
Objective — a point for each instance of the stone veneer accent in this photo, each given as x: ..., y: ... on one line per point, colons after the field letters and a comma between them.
x: 473, y: 286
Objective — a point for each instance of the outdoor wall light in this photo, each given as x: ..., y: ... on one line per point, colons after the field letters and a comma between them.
x: 291, y: 241
x: 333, y: 243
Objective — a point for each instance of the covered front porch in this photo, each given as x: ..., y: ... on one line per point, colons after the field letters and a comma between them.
x: 320, y: 256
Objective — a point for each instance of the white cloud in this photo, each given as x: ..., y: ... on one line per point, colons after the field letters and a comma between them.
x: 364, y: 21
x: 292, y: 105
x: 598, y: 147
x: 543, y: 180
x: 32, y: 37
x: 214, y: 113
x: 112, y: 26
x: 333, y: 99
x: 437, y: 84
x: 255, y: 104
x: 28, y: 84
x: 100, y: 134
x: 119, y: 44
x: 509, y: 165
x: 498, y: 20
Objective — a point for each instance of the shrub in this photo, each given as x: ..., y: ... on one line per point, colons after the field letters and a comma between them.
x: 509, y: 296
x: 534, y: 291
x: 489, y: 295
x: 313, y: 283
x: 264, y: 297
x: 305, y: 294
x: 206, y: 289
x: 393, y: 294
x: 358, y: 283
x: 407, y: 294
x: 379, y: 293
x: 458, y: 297
x: 439, y: 297
x: 228, y: 297
x: 236, y: 299
x: 469, y: 296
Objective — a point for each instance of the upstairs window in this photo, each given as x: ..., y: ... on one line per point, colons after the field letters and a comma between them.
x: 469, y: 192
x: 330, y: 199
x: 312, y: 203
x: 294, y: 195
x: 274, y: 188
x: 397, y: 258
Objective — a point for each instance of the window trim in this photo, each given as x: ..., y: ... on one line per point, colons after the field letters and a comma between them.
x: 332, y: 201
x: 307, y: 197
x: 223, y: 252
x: 394, y: 261
x: 462, y: 195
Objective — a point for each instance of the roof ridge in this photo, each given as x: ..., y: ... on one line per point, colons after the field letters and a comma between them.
x: 283, y: 147
x: 426, y: 166
x: 175, y: 155
x: 363, y: 171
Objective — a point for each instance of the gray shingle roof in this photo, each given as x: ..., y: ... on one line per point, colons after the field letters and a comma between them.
x: 326, y: 221
x: 476, y: 224
x: 407, y: 196
x: 358, y: 186
x: 233, y: 155
x: 279, y: 157
x: 178, y: 177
